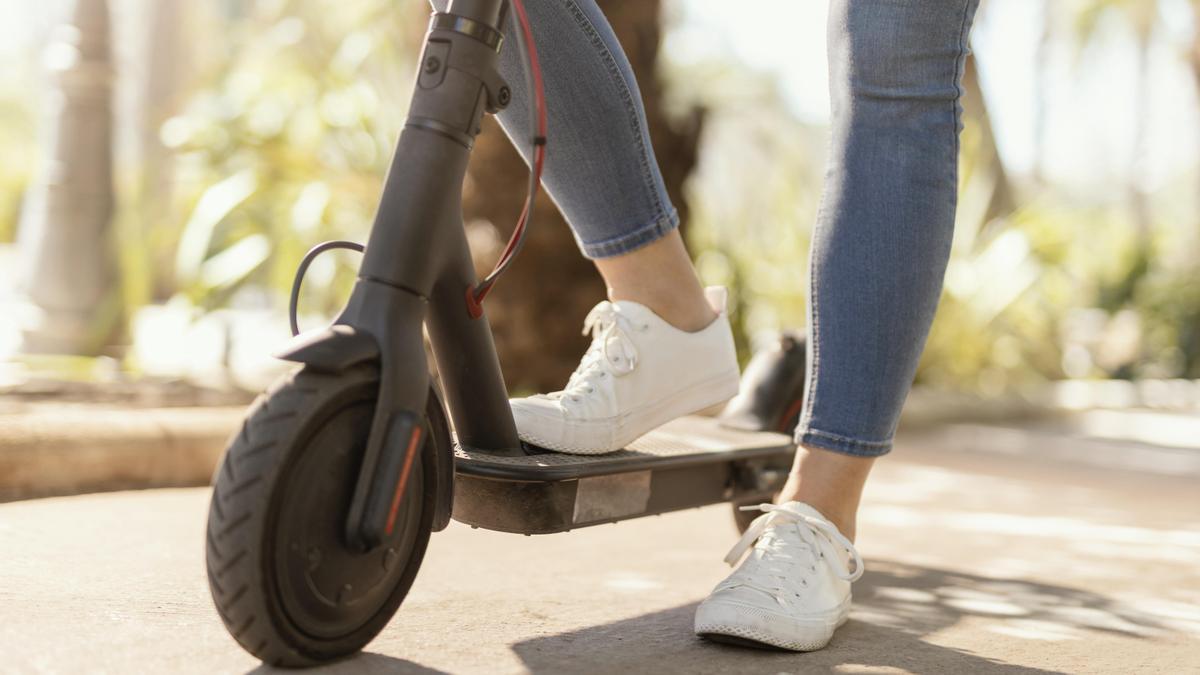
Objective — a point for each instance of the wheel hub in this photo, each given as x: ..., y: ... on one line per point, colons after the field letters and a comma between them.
x: 327, y: 588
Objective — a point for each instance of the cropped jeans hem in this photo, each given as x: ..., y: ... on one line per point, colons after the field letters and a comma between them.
x: 630, y: 241
x: 811, y: 438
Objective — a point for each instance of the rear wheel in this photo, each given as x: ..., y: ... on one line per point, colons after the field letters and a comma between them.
x: 285, y: 583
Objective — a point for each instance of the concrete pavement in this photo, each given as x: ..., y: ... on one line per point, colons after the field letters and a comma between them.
x: 978, y: 562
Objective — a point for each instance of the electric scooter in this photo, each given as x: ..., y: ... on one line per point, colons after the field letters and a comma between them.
x: 325, y: 500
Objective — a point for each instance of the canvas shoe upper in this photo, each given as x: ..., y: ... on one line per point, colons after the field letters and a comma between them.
x: 793, y: 589
x: 639, y: 373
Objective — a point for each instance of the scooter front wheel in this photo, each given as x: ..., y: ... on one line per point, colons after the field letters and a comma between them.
x: 283, y: 579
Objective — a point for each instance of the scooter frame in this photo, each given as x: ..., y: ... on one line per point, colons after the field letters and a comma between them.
x: 304, y: 563
x: 417, y: 271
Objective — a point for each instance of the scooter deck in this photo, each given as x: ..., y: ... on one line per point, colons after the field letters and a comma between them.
x: 690, y: 462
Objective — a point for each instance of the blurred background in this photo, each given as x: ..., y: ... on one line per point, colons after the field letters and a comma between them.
x: 167, y: 163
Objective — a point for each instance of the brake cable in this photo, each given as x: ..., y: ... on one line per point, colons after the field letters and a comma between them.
x: 537, y: 110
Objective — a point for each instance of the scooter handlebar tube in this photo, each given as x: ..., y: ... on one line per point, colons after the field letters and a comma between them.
x: 418, y: 246
x: 489, y: 12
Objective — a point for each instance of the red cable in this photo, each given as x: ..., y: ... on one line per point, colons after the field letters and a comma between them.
x: 540, y: 148
x: 475, y: 296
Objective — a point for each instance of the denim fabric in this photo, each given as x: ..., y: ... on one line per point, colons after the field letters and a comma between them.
x: 600, y: 168
x: 886, y: 219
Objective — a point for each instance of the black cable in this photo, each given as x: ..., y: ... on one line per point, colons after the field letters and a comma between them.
x: 304, y: 263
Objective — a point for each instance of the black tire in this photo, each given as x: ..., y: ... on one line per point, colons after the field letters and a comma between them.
x: 287, y: 476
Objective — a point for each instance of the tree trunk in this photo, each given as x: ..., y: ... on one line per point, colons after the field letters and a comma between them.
x: 1138, y: 199
x: 165, y: 76
x: 1043, y: 86
x: 538, y: 306
x: 1194, y: 60
x: 65, y: 246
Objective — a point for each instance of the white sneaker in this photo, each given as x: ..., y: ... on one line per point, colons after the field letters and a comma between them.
x: 639, y: 373
x: 792, y: 591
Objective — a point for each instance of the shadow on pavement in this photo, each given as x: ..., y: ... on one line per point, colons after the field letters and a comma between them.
x: 896, y: 607
x: 922, y: 600
x: 364, y: 662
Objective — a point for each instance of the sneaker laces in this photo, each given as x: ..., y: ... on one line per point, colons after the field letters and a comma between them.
x: 611, y: 352
x: 819, y: 538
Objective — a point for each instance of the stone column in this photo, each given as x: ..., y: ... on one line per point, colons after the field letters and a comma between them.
x: 65, y: 245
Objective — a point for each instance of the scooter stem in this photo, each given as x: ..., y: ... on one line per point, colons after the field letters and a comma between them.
x: 417, y: 265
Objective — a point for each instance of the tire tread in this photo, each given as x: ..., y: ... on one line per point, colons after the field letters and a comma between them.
x: 239, y: 505
x: 251, y: 459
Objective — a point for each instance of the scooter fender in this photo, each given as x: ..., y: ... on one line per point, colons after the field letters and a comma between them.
x: 340, y: 347
x: 772, y: 388
x: 332, y: 350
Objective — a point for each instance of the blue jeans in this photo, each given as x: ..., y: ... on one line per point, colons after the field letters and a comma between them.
x: 600, y: 169
x: 884, y: 228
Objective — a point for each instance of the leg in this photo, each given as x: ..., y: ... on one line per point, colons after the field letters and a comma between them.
x: 883, y: 233
x: 662, y: 346
x: 830, y: 482
x: 879, y: 252
x: 673, y: 291
x: 600, y: 167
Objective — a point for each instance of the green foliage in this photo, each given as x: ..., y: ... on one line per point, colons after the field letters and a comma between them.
x: 1171, y: 305
x: 285, y: 147
x: 998, y: 320
x: 1054, y: 289
x: 286, y: 138
x: 1139, y: 15
x: 752, y: 197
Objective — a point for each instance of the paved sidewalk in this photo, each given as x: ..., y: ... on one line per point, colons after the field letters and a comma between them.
x: 977, y: 563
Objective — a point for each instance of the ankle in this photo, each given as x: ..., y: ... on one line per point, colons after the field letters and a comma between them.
x: 689, y: 312
x: 831, y: 483
x: 843, y: 517
x: 660, y: 276
x: 836, y: 508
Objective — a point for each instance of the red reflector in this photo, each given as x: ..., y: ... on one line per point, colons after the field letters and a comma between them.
x: 409, y: 453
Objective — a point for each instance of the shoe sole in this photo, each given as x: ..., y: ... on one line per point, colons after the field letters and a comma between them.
x: 695, y: 398
x: 732, y: 633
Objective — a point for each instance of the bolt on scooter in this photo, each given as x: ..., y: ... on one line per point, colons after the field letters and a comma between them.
x: 325, y: 499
